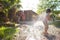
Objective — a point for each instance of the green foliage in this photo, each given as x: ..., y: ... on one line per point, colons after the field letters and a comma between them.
x: 9, y: 4
x: 2, y: 17
x: 52, y: 4
x: 7, y: 33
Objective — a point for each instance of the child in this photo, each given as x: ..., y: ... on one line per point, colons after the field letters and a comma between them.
x: 46, y: 21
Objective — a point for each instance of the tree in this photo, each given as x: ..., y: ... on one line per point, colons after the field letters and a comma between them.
x: 9, y: 5
x: 44, y: 4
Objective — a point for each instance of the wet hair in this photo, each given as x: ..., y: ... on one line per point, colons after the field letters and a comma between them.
x: 48, y: 10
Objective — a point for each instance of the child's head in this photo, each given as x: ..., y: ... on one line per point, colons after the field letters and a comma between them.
x: 48, y: 11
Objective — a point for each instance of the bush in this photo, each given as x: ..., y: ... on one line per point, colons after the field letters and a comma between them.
x: 7, y: 33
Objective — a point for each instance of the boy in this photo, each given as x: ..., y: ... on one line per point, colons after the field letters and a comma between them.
x: 46, y: 21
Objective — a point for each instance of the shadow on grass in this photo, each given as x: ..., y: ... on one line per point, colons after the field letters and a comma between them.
x: 50, y: 37
x: 57, y: 24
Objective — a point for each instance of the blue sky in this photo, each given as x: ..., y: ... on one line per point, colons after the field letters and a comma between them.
x: 29, y: 4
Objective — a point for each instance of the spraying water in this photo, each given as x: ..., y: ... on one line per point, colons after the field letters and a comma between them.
x: 33, y: 32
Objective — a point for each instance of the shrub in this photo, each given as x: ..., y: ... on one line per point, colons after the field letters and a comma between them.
x: 7, y: 33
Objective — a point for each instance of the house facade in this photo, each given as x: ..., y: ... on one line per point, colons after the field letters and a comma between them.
x: 26, y: 15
